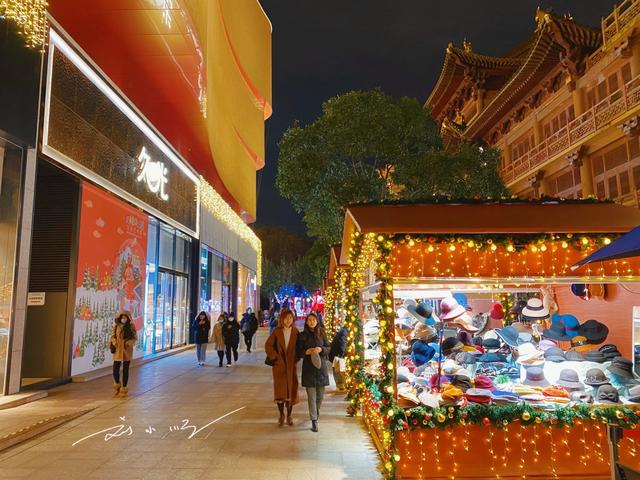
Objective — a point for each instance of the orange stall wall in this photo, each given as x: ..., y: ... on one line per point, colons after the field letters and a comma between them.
x: 537, y: 451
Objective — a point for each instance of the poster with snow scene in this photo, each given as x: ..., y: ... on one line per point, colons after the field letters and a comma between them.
x: 110, y: 277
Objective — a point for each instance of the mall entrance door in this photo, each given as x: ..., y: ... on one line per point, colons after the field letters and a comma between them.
x: 172, y: 311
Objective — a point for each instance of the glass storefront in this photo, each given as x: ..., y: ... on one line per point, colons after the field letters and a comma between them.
x: 167, y: 295
x: 217, y: 275
x: 10, y: 188
x: 247, y: 290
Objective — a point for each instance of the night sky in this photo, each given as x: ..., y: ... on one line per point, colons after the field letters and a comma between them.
x: 325, y: 48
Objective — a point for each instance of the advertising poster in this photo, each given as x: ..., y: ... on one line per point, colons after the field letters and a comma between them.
x: 110, y: 276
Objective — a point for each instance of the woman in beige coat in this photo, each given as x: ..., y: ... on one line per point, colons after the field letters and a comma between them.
x: 217, y: 339
x: 281, y: 347
x: 122, y: 340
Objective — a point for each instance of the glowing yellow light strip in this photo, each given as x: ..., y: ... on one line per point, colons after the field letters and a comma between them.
x: 215, y: 204
x: 31, y: 18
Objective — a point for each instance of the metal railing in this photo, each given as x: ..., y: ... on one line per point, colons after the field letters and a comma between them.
x: 597, y: 117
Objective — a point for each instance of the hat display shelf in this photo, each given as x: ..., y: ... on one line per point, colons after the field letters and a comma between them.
x: 485, y: 244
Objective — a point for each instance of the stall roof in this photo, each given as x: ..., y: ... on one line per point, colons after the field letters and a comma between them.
x: 481, y: 218
x: 334, y: 262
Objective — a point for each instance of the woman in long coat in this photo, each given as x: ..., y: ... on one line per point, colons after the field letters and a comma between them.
x: 218, y: 340
x: 281, y: 347
x: 123, y: 338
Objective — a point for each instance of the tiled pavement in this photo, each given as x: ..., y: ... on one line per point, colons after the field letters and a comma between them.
x: 247, y: 444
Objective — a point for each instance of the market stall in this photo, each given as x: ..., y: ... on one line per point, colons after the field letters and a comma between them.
x: 335, y: 292
x: 475, y: 351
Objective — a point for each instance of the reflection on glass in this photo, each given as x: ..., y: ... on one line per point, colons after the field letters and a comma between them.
x: 10, y: 183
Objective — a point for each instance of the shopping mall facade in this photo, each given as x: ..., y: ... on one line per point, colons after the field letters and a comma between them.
x: 127, y: 177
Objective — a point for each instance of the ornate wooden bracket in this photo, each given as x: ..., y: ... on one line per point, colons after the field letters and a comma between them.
x: 535, y: 180
x: 630, y: 126
x: 575, y: 158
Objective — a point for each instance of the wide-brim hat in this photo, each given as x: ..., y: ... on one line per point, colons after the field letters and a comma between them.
x: 622, y: 366
x: 451, y: 344
x: 570, y: 323
x: 554, y: 354
x: 610, y: 351
x: 483, y: 381
x: 424, y: 332
x: 491, y: 357
x: 580, y: 290
x: 595, y: 331
x: 607, y: 394
x: 509, y: 335
x: 465, y: 322
x: 429, y: 399
x: 634, y: 394
x: 450, y: 309
x: 478, y: 395
x: 556, y: 332
x: 595, y: 377
x: 535, y: 310
x: 425, y: 311
x: 462, y: 300
x: 491, y: 343
x: 535, y: 377
x: 595, y: 356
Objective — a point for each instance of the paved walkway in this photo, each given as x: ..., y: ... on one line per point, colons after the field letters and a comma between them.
x: 175, y: 394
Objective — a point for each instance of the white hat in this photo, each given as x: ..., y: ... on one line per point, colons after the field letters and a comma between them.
x: 529, y: 355
x: 535, y: 309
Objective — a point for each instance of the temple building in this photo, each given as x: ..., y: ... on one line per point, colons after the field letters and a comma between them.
x: 563, y: 107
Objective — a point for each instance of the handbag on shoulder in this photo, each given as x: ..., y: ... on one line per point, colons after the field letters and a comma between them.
x: 272, y: 361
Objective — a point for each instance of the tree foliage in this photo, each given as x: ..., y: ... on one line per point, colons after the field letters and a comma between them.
x: 368, y: 147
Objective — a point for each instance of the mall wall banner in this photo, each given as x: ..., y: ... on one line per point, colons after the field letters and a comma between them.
x: 110, y: 277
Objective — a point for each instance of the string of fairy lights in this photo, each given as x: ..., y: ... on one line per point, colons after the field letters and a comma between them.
x: 30, y: 16
x: 409, y: 437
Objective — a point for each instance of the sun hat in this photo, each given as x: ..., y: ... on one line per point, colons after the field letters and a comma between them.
x: 573, y: 356
x: 478, y: 395
x: 450, y: 367
x: 429, y: 399
x: 509, y: 335
x: 555, y: 391
x: 497, y: 311
x: 554, y: 354
x: 528, y: 354
x: 535, y: 377
x: 580, y: 290
x: 546, y: 344
x: 517, y: 307
x: 465, y: 321
x: 570, y: 323
x: 491, y: 344
x: 502, y: 397
x: 489, y: 334
x: 595, y: 356
x: 451, y: 309
x: 595, y: 377
x: 595, y: 331
x: 492, y: 357
x: 483, y: 381
x: 609, y: 351
x: 535, y: 310
x: 463, y: 372
x: 408, y: 398
x: 450, y: 345
x: 569, y: 379
x: 510, y: 371
x: 580, y: 396
x: 425, y: 311
x: 607, y: 394
x: 580, y: 343
x: 424, y: 332
x: 462, y: 300
x: 621, y: 366
x: 634, y: 394
x: 557, y: 331
x: 451, y: 394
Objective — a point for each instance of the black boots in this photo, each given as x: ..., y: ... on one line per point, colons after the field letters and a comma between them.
x: 314, y: 425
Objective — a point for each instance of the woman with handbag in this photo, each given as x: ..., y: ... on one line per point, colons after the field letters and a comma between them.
x: 280, y: 348
x: 123, y: 339
x: 313, y: 347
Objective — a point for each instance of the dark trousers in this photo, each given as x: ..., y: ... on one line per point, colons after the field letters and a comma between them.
x: 231, y: 348
x: 248, y: 336
x: 221, y: 356
x: 125, y: 372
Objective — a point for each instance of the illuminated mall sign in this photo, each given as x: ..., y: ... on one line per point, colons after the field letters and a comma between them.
x: 154, y: 174
x: 93, y: 130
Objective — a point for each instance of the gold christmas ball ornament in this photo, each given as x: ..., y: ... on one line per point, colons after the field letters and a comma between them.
x: 451, y: 409
x: 526, y: 416
x: 538, y: 420
x: 441, y: 418
x: 619, y: 414
x: 505, y: 422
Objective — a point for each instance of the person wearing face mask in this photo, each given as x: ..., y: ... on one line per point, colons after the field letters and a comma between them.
x: 201, y: 327
x: 218, y: 339
x: 122, y: 340
x: 313, y: 348
x: 280, y: 348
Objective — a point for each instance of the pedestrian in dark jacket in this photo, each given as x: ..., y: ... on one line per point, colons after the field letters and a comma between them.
x: 273, y: 320
x: 201, y: 326
x: 313, y: 348
x: 231, y: 334
x: 337, y: 355
x: 248, y: 327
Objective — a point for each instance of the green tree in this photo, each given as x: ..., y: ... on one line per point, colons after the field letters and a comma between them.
x: 368, y: 147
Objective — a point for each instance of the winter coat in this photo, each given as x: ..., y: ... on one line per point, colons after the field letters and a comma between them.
x: 273, y: 322
x: 249, y: 323
x: 285, y: 375
x: 312, y: 376
x: 231, y: 333
x: 216, y: 338
x: 201, y: 332
x: 339, y: 344
x: 124, y: 340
